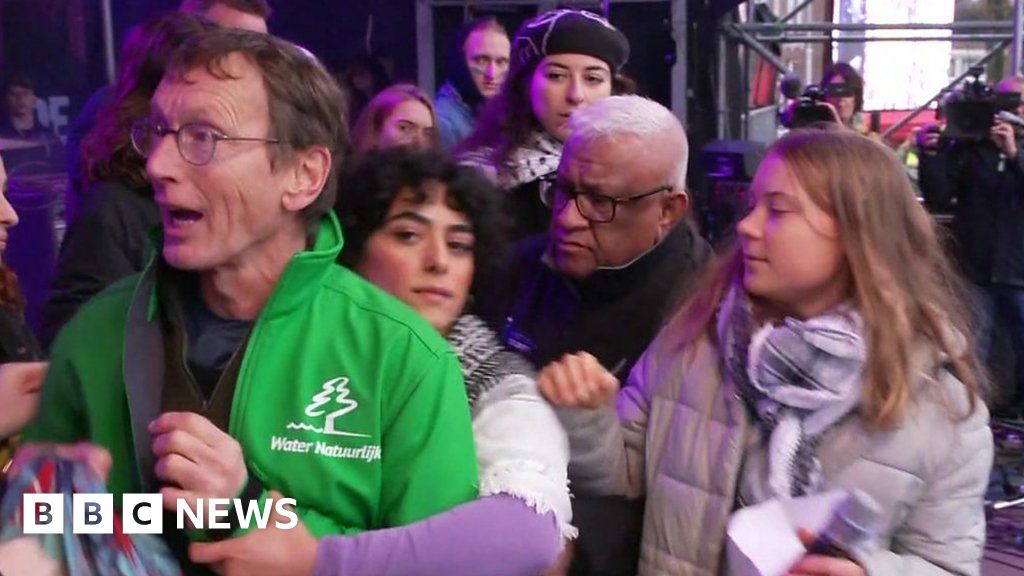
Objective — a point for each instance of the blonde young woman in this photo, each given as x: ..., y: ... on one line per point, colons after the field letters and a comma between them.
x: 828, y: 350
x: 400, y: 115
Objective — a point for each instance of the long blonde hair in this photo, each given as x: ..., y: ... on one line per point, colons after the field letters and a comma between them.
x: 903, y: 283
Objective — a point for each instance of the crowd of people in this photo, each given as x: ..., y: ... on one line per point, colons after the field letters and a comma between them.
x: 481, y: 334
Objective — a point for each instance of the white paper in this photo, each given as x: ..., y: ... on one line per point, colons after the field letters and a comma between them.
x: 761, y: 540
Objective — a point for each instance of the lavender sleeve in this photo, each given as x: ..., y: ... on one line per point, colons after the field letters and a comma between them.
x: 498, y: 535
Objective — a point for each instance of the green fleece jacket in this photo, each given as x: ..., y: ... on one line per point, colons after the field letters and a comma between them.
x: 346, y: 400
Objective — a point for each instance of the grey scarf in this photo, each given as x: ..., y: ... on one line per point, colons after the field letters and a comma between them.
x: 799, y: 377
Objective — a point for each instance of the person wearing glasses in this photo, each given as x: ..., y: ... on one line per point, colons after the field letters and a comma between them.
x: 244, y: 362
x: 618, y: 256
x: 107, y: 237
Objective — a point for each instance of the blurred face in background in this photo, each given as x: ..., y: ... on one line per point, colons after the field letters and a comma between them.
x: 564, y: 83
x: 487, y: 51
x: 409, y: 124
x: 21, y: 101
x: 842, y: 99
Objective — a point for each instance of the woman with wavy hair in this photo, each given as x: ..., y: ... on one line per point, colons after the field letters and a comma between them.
x: 828, y: 350
x: 562, y: 60
x: 109, y: 238
x: 400, y: 115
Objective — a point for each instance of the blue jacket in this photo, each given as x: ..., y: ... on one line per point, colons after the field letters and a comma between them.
x: 454, y: 116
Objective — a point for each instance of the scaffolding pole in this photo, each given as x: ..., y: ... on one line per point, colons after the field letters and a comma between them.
x: 1018, y: 20
x: 857, y: 27
x: 425, y: 45
x: 981, y: 62
x: 108, y: 42
x: 680, y: 82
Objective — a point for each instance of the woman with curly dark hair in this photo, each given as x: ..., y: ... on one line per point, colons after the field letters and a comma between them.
x: 108, y: 240
x: 562, y: 60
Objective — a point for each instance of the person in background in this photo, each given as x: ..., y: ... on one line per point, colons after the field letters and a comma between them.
x: 844, y: 91
x: 475, y: 67
x: 400, y: 115
x: 426, y: 231
x: 243, y: 345
x: 828, y: 350
x: 19, y: 119
x: 562, y: 61
x: 110, y: 238
x: 364, y: 76
x: 982, y: 183
x: 242, y: 14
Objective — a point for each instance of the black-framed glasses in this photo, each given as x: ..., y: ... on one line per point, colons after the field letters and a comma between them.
x: 592, y: 206
x: 196, y: 142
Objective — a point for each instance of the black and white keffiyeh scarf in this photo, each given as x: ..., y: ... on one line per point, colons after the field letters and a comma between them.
x: 799, y: 377
x: 484, y: 359
x: 535, y: 159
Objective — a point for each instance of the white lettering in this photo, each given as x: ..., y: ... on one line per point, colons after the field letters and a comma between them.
x: 218, y: 508
x: 253, y: 509
x: 284, y: 508
x: 195, y: 519
x: 282, y: 444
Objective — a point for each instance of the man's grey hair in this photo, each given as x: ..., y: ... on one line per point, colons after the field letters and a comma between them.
x: 629, y: 115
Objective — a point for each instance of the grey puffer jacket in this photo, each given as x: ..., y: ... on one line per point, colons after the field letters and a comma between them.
x: 681, y: 434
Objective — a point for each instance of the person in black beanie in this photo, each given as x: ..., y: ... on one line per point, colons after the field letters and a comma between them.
x: 476, y: 65
x: 562, y: 60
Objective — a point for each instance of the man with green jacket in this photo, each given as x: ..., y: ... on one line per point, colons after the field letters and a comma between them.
x: 243, y: 359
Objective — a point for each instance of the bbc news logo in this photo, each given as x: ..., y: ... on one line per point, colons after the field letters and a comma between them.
x: 143, y: 513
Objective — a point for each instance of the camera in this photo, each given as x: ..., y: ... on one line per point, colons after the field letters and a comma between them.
x: 971, y: 112
x: 810, y: 107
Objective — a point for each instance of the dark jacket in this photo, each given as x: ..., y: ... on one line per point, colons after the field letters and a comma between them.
x: 528, y: 213
x: 108, y: 241
x: 986, y: 195
x: 17, y: 344
x: 614, y: 315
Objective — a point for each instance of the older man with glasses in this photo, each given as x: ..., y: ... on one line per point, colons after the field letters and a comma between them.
x: 618, y: 256
x: 244, y: 359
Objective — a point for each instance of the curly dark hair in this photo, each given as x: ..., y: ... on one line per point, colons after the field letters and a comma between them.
x: 371, y: 185
x: 107, y: 148
x: 507, y: 120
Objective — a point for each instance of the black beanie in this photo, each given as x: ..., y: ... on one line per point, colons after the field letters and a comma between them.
x: 569, y: 32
